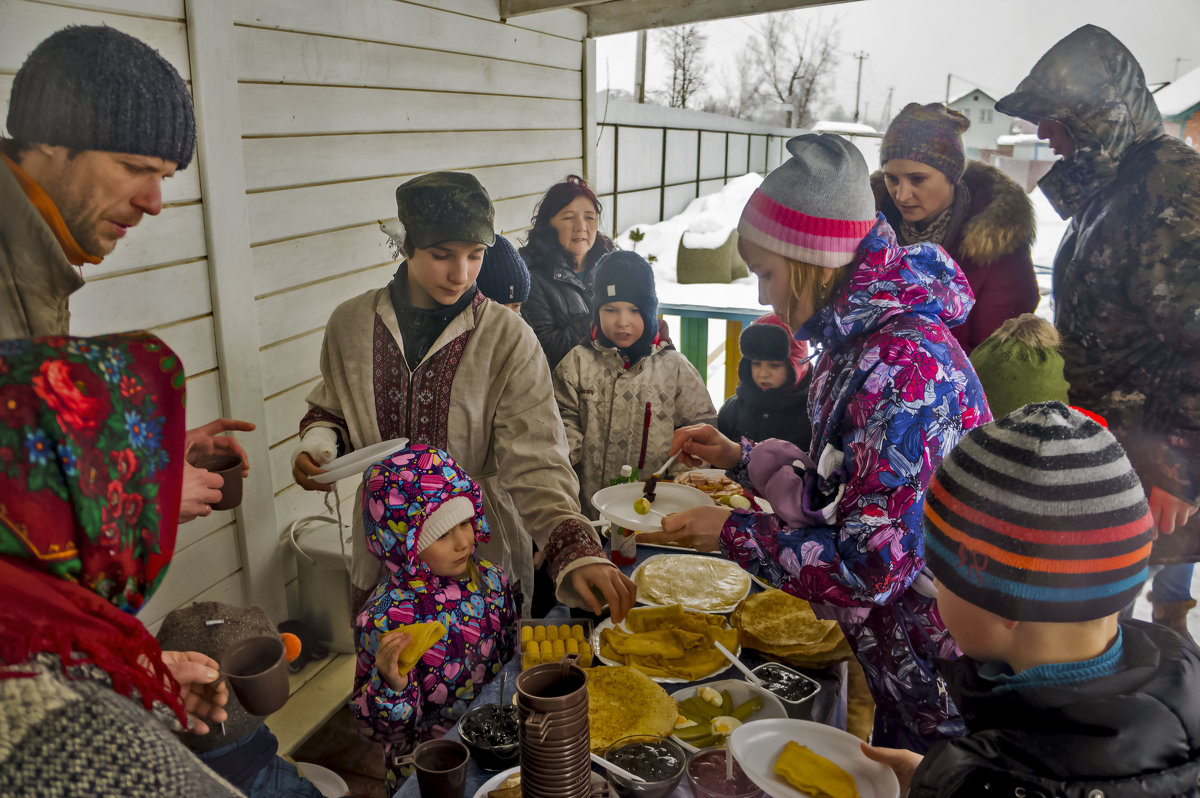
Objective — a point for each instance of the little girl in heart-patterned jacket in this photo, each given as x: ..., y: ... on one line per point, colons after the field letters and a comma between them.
x: 423, y: 516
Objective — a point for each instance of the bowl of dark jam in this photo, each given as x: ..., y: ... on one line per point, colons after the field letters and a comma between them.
x: 658, y: 760
x: 793, y: 688
x: 492, y: 734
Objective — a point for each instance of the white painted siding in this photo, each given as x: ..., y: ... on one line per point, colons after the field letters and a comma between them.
x: 337, y: 103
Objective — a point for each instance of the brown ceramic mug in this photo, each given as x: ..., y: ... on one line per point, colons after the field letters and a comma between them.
x: 553, y: 687
x: 229, y: 468
x: 257, y: 671
x: 441, y: 767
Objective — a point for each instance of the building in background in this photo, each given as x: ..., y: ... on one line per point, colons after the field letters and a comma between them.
x: 1179, y: 103
x: 986, y: 122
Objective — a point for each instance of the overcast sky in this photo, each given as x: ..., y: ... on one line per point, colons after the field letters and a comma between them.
x: 913, y: 44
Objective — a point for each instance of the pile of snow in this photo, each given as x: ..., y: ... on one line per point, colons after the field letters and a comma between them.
x: 704, y: 224
x: 846, y: 128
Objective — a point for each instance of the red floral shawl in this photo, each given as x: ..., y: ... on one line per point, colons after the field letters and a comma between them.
x: 91, y: 471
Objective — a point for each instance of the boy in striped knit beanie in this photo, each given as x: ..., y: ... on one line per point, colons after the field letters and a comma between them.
x: 1038, y: 533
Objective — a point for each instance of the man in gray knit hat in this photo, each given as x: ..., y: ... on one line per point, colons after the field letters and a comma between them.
x: 97, y: 120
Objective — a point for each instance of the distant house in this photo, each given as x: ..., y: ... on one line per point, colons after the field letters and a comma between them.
x: 1179, y: 103
x: 986, y: 122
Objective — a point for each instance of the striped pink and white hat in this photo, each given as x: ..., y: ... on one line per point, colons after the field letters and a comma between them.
x: 816, y: 206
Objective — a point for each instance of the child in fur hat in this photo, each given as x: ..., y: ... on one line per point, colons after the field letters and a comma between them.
x: 772, y: 393
x: 1038, y: 533
x: 423, y: 517
x: 607, y: 387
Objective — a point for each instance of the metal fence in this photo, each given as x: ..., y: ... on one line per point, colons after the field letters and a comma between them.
x: 652, y: 161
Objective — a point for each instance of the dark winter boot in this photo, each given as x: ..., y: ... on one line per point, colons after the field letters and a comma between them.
x: 1173, y: 614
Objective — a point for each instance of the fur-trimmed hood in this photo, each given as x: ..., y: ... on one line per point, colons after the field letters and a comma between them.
x: 1000, y: 218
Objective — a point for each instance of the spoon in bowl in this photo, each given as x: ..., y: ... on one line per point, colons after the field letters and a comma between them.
x: 620, y: 771
x: 737, y: 663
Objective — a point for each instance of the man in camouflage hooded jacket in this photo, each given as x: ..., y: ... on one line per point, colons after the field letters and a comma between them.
x: 1127, y: 273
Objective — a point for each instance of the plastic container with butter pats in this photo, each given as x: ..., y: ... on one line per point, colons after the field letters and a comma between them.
x: 549, y: 640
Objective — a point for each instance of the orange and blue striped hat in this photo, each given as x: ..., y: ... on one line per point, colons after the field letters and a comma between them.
x: 816, y: 207
x: 1039, y: 517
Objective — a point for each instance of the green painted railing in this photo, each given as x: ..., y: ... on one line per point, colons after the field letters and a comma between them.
x: 693, y: 336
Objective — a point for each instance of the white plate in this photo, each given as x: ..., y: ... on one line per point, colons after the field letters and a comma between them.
x: 495, y: 781
x: 757, y: 745
x: 723, y: 610
x: 358, y: 460
x: 607, y: 623
x: 616, y: 503
x: 740, y: 691
x: 329, y: 783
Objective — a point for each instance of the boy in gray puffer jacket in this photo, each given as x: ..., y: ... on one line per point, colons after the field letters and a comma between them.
x: 623, y: 394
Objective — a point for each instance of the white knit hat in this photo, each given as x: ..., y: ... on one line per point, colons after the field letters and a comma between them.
x: 448, y: 515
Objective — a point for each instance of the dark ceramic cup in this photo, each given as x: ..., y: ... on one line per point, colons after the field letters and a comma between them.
x: 257, y: 672
x: 229, y: 468
x: 441, y: 767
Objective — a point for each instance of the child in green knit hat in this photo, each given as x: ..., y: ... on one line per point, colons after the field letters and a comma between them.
x: 1019, y: 364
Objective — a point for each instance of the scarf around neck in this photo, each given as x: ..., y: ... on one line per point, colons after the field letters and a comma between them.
x: 943, y: 228
x: 91, y: 474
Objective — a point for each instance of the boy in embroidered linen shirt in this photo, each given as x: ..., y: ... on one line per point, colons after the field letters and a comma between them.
x: 1038, y: 533
x: 605, y: 386
x: 423, y: 517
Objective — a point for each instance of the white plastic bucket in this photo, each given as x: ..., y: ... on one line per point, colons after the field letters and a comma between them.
x: 323, y: 576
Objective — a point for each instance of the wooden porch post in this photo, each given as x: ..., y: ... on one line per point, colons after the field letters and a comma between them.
x: 235, y: 320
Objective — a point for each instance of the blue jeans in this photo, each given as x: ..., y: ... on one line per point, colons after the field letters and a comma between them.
x: 1173, y: 583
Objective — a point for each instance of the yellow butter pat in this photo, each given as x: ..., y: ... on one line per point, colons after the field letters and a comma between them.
x: 812, y: 773
x: 424, y: 635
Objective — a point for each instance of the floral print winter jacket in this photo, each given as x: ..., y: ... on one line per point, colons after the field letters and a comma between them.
x: 892, y: 394
x: 479, y: 612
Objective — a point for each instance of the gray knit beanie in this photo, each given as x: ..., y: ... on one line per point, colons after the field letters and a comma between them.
x: 816, y: 206
x: 96, y: 88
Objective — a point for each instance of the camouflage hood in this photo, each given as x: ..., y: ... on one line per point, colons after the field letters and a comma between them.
x: 1091, y: 84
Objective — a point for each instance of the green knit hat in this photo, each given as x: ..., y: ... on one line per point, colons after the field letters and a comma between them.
x: 1019, y: 364
x: 445, y: 206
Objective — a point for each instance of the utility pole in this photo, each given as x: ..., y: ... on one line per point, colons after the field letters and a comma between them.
x: 886, y: 116
x: 1175, y: 77
x: 861, y: 56
x: 639, y: 69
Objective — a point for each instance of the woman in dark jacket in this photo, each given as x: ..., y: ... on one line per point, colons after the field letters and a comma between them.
x: 561, y: 251
x: 929, y: 192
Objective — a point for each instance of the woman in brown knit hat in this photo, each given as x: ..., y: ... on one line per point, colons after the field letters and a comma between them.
x: 930, y: 192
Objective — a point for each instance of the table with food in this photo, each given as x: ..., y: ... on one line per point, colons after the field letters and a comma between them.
x: 715, y: 685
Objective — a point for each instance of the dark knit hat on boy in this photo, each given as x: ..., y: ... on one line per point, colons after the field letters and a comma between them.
x: 929, y: 134
x: 815, y: 207
x: 1019, y: 363
x: 1039, y: 517
x: 765, y: 342
x: 626, y: 277
x: 96, y: 88
x: 504, y: 277
x: 445, y: 206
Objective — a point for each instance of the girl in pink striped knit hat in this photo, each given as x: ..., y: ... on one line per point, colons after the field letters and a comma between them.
x: 891, y: 395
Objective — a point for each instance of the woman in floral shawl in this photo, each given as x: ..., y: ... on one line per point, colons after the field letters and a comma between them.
x: 891, y: 395
x: 91, y: 459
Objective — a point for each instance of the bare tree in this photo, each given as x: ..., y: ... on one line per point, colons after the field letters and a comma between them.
x: 794, y: 62
x: 740, y: 94
x: 684, y: 48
